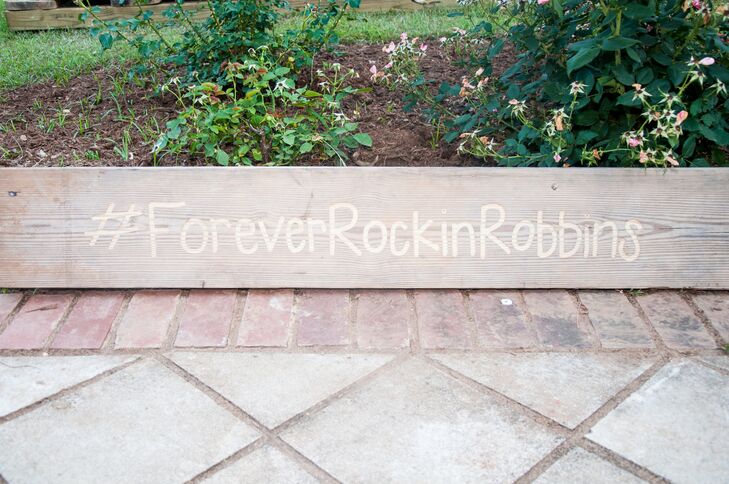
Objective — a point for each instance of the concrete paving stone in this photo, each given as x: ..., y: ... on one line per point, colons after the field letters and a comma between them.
x: 566, y: 387
x: 582, y: 467
x: 267, y: 464
x: 8, y: 303
x: 715, y: 306
x: 382, y: 319
x: 266, y: 318
x: 206, y: 318
x: 676, y: 424
x: 272, y: 387
x: 34, y: 323
x: 442, y: 319
x: 500, y: 320
x: 555, y: 316
x: 143, y: 424
x: 720, y: 361
x: 147, y: 319
x: 322, y: 317
x: 412, y: 423
x: 675, y: 321
x: 27, y: 379
x: 90, y: 320
x: 616, y: 321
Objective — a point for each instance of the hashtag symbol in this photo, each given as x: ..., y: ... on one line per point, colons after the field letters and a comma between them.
x: 123, y: 220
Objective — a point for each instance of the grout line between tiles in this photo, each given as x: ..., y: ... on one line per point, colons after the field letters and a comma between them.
x: 62, y: 320
x: 65, y: 391
x: 686, y: 296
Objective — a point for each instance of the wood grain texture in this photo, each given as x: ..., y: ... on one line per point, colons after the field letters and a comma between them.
x: 68, y: 18
x: 30, y: 4
x: 682, y: 231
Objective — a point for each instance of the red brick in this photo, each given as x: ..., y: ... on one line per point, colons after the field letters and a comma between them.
x: 555, y: 316
x: 500, y: 320
x: 616, y: 321
x: 89, y: 321
x: 35, y: 322
x: 323, y: 317
x: 206, y: 318
x: 715, y: 306
x: 8, y: 302
x: 147, y: 319
x: 442, y: 319
x: 675, y: 321
x: 382, y: 319
x: 266, y: 318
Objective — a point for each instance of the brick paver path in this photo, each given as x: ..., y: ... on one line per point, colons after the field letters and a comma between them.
x: 364, y: 386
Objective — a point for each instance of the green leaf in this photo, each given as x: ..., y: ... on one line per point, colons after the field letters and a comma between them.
x: 586, y: 118
x: 633, y: 54
x: 222, y: 157
x: 581, y: 59
x: 306, y: 147
x: 557, y: 5
x: 289, y: 139
x: 689, y: 146
x: 717, y: 135
x: 617, y: 43
x: 627, y: 99
x: 676, y: 73
x: 364, y: 139
x: 635, y: 10
x: 644, y: 76
x: 106, y: 40
x: 585, y: 136
x: 354, y: 3
x: 622, y: 75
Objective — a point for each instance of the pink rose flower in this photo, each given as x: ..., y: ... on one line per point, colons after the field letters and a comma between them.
x: 681, y: 117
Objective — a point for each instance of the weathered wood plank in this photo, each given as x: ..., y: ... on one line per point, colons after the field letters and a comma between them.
x: 68, y: 18
x: 323, y: 227
x: 30, y: 4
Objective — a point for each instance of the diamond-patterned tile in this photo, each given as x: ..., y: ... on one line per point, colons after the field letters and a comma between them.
x: 141, y: 424
x: 567, y: 387
x: 676, y: 424
x: 413, y: 423
x: 267, y: 464
x: 580, y: 466
x: 273, y: 387
x: 26, y: 379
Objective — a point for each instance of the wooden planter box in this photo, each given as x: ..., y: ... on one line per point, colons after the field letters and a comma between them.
x: 43, y: 14
x: 364, y: 227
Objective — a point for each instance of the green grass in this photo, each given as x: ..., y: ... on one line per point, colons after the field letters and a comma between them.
x: 61, y: 55
x: 386, y: 26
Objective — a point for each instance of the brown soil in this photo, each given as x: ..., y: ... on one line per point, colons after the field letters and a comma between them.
x: 40, y: 125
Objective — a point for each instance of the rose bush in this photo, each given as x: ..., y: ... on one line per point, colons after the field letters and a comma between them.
x: 609, y: 82
x: 238, y: 80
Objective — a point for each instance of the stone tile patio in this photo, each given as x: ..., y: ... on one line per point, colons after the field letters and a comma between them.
x: 380, y: 386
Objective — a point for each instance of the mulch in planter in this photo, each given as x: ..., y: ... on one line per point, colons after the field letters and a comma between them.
x: 39, y: 125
